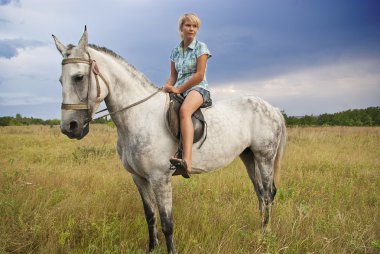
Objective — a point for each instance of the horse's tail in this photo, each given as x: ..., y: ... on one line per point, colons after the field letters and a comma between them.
x: 280, y: 150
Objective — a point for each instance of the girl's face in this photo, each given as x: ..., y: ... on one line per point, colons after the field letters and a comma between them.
x: 189, y: 30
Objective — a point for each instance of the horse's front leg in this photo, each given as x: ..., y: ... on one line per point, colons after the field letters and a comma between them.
x: 162, y: 187
x: 149, y: 202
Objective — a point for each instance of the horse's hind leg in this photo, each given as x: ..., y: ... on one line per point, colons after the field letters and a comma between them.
x: 149, y: 202
x: 262, y: 179
x: 249, y: 161
x: 265, y: 164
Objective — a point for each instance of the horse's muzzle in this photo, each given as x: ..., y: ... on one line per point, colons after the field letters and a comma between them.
x: 75, y: 129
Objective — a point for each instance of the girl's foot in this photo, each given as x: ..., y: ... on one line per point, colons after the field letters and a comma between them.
x: 181, y: 166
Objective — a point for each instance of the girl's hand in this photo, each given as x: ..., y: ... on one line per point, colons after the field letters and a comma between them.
x: 167, y: 88
x: 175, y: 90
x: 171, y: 89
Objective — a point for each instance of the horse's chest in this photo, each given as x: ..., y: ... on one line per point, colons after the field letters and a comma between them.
x: 135, y: 152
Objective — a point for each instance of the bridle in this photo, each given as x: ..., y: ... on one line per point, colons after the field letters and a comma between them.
x: 95, y: 70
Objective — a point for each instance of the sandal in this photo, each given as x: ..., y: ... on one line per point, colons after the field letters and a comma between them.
x: 180, y: 167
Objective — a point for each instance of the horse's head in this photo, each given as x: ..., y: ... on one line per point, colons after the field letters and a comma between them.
x: 80, y: 88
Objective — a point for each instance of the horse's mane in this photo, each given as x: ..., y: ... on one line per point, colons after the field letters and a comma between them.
x: 127, y: 65
x: 106, y: 50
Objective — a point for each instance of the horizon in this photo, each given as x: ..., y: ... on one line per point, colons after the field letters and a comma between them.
x: 298, y: 116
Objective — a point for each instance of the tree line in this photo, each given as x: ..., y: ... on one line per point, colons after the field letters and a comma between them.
x: 19, y: 120
x: 355, y: 117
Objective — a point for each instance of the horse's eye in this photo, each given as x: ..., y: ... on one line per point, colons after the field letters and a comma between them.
x: 78, y: 78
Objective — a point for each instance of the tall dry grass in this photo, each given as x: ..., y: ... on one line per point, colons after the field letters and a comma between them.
x: 66, y: 196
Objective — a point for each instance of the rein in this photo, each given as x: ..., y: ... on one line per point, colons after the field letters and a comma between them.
x: 127, y: 107
x: 95, y: 69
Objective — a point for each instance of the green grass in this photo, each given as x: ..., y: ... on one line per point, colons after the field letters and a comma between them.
x: 65, y: 196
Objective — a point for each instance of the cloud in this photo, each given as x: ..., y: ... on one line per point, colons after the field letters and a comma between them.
x: 9, y: 47
x: 31, y: 77
x: 6, y: 2
x: 4, y: 21
x: 350, y: 83
x: 19, y: 99
x: 7, y: 50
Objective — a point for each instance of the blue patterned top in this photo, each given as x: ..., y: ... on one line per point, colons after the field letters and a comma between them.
x: 186, y: 63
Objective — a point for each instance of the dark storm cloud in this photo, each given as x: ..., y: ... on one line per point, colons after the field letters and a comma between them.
x: 260, y: 39
x: 8, y: 47
x: 5, y: 2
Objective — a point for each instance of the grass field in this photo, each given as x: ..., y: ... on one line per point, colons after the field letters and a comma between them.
x: 65, y: 196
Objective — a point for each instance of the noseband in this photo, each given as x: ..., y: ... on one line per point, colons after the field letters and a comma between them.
x: 93, y: 69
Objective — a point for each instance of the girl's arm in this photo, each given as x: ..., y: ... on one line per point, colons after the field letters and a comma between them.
x: 196, y: 78
x: 172, y: 79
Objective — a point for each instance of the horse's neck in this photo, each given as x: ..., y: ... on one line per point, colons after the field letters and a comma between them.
x: 126, y: 84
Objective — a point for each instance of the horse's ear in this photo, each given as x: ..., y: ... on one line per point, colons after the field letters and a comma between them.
x: 84, y: 40
x: 61, y: 48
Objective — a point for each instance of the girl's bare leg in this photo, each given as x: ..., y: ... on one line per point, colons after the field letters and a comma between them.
x: 192, y: 102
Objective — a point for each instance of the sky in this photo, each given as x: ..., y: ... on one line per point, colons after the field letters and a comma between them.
x: 303, y: 56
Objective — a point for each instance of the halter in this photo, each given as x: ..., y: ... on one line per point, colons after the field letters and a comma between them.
x: 93, y: 69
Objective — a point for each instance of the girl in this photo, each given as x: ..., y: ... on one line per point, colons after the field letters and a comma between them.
x: 188, y: 77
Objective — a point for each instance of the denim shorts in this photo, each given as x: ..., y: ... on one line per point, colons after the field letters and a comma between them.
x: 207, y: 102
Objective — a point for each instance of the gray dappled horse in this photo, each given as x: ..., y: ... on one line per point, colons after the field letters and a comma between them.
x: 247, y: 127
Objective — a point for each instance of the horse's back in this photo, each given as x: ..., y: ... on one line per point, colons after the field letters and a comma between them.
x: 245, y: 109
x: 254, y: 116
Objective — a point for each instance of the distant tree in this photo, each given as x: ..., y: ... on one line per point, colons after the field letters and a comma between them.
x: 374, y: 113
x: 308, y: 120
x: 53, y: 122
x: 100, y: 120
x: 292, y: 121
x: 366, y: 119
x: 5, y: 121
x: 325, y: 119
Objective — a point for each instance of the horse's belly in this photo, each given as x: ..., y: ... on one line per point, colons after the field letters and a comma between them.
x: 229, y: 133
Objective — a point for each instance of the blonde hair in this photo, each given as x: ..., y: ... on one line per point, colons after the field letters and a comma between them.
x: 192, y: 17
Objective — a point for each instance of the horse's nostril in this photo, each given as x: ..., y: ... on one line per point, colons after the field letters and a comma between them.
x: 73, y: 125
